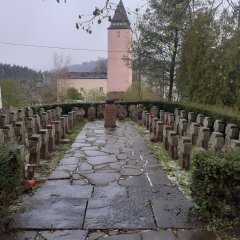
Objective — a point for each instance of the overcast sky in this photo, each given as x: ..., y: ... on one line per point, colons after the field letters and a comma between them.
x: 47, y: 23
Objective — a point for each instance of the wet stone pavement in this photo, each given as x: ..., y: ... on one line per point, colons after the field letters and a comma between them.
x: 108, y: 186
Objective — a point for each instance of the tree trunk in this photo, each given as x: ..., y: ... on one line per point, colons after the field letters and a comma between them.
x: 173, y: 66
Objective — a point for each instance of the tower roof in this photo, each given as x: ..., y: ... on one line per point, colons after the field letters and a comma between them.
x: 120, y: 19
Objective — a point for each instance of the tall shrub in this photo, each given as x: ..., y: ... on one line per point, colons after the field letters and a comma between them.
x: 10, y: 179
x: 216, y: 184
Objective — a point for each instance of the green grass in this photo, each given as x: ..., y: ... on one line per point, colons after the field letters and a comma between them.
x: 172, y: 167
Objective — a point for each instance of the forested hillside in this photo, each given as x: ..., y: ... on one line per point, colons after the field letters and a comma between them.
x: 14, y: 72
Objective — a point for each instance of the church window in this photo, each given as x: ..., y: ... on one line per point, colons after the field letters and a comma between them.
x: 118, y: 33
x: 101, y: 89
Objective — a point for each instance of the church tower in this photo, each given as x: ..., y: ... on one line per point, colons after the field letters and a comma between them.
x: 119, y: 42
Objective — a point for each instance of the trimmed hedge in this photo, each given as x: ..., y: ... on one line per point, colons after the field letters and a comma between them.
x: 216, y: 184
x: 10, y: 179
x: 167, y: 106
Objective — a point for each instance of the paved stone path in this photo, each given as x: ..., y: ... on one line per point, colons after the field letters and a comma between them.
x: 108, y: 186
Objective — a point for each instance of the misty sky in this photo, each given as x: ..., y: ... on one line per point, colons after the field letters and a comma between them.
x: 45, y: 22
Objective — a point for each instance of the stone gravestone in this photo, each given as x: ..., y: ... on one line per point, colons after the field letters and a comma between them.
x: 91, y: 114
x: 110, y: 115
x: 100, y: 111
x: 122, y: 112
x: 1, y: 136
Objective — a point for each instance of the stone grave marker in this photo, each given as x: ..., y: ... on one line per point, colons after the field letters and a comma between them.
x: 177, y: 112
x: 91, y: 114
x: 4, y: 120
x: 12, y: 118
x: 154, y: 126
x: 58, y: 130
x: 194, y: 130
x: 44, y: 148
x: 19, y: 131
x: 20, y: 115
x: 8, y: 133
x: 63, y: 132
x: 51, y: 133
x: 208, y: 122
x: 122, y: 112
x: 173, y: 144
x: 35, y: 143
x: 185, y: 148
x: 44, y: 120
x: 217, y: 141
x: 159, y: 131
x: 110, y: 115
x: 37, y: 123
x: 219, y: 126
x: 183, y: 114
x: 166, y: 130
x: 1, y: 136
x: 191, y: 118
x: 200, y: 119
x: 232, y: 133
x: 161, y: 115
x: 203, y: 137
x: 70, y: 120
x: 235, y: 145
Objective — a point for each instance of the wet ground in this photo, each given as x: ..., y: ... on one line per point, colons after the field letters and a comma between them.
x: 108, y: 186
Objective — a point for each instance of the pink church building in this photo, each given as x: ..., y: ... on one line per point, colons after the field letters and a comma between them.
x: 119, y: 73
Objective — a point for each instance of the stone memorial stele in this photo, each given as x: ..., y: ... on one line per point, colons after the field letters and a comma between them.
x: 110, y: 114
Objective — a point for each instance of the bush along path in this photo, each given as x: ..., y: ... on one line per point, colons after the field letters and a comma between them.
x: 108, y: 186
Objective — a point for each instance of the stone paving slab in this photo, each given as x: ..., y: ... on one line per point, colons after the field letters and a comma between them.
x: 70, y: 161
x: 103, y: 178
x: 158, y: 176
x: 68, y: 168
x: 65, y: 174
x: 134, y: 181
x: 111, y: 191
x: 120, y: 212
x: 95, y: 153
x: 157, y: 193
x: 172, y: 213
x: 101, y: 159
x: 65, y: 191
x: 54, y: 213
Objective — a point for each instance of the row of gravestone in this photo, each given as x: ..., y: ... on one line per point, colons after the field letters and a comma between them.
x: 180, y: 130
x: 36, y: 134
